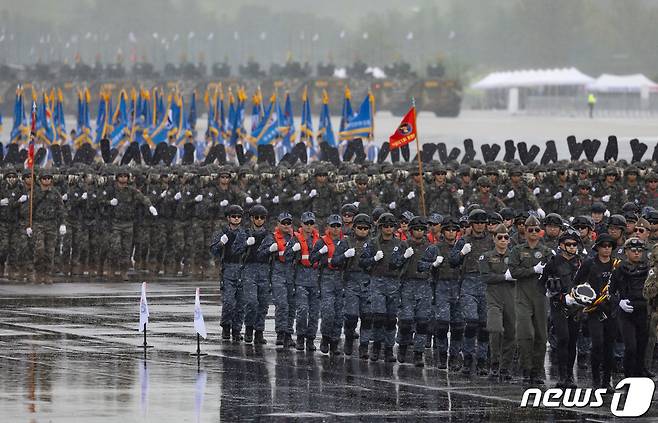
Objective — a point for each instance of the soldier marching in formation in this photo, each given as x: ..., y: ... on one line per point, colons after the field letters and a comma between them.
x: 508, y: 257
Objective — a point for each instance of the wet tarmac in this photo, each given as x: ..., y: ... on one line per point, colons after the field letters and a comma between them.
x: 71, y: 352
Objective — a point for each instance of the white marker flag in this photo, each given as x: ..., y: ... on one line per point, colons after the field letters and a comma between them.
x: 199, y: 324
x: 143, y: 309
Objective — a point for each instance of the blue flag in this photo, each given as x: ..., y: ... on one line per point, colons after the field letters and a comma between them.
x: 20, y: 120
x: 361, y: 125
x: 325, y: 130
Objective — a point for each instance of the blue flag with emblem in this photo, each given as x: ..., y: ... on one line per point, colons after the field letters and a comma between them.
x: 120, y: 122
x: 325, y: 130
x: 346, y: 113
x: 19, y: 125
x: 361, y: 125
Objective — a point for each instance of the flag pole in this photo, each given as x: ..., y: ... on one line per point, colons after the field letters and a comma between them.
x: 31, y: 191
x: 421, y: 200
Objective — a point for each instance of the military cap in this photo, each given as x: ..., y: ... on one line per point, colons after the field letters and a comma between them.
x: 477, y: 216
x: 362, y: 219
x: 483, y: 181
x: 553, y: 219
x: 284, y: 216
x: 516, y: 170
x: 407, y: 216
x: 435, y: 218
x: 631, y: 206
x: 377, y: 213
x: 642, y: 223
x: 308, y: 217
x: 440, y: 169
x: 233, y: 210
x: 521, y: 217
x: 602, y: 239
x: 387, y: 219
x: 610, y: 171
x: 584, y: 183
x: 617, y: 220
x: 584, y: 221
x: 651, y: 176
x: 634, y: 243
x: 632, y: 169
x: 532, y: 221
x: 598, y: 207
x: 463, y: 170
x: 258, y: 210
x: 44, y: 172
x: 449, y: 223
x: 349, y: 208
x: 500, y: 229
x: 630, y: 216
x: 361, y: 178
x: 507, y: 213
x: 418, y: 222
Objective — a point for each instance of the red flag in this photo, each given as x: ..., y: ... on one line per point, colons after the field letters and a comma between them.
x: 406, y: 131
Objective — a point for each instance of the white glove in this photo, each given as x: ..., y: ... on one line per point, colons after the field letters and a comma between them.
x: 606, y: 213
x: 392, y: 205
x: 28, y: 231
x: 153, y: 211
x: 536, y: 191
x: 626, y: 306
x: 539, y: 268
x: 462, y: 209
x: 605, y: 198
x: 313, y: 193
x: 22, y: 198
x: 62, y: 229
x: 251, y: 240
x: 508, y: 276
x: 163, y: 194
x: 275, y: 200
x: 84, y: 196
x: 323, y: 250
x: 571, y: 219
x: 65, y: 197
x: 408, y: 252
x: 541, y: 213
x: 114, y: 202
x: 569, y: 300
x: 297, y: 197
x: 379, y: 255
x: 350, y: 252
x: 460, y: 192
x: 296, y: 247
x: 249, y: 200
x: 4, y: 202
x: 584, y: 251
x: 557, y: 195
x: 356, y: 204
x: 411, y: 195
x: 437, y: 261
x: 273, y: 247
x: 258, y: 200
x: 223, y: 203
x: 177, y: 196
x: 198, y: 198
x: 465, y: 249
x: 223, y: 239
x: 511, y: 194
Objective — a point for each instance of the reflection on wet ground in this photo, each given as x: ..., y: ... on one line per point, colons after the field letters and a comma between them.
x: 70, y: 352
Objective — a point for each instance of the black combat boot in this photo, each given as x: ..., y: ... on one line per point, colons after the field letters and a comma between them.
x: 236, y: 335
x: 324, y: 345
x: 388, y: 355
x: 349, y: 345
x: 300, y: 343
x: 333, y: 348
x: 418, y: 359
x: 280, y: 336
x: 226, y: 332
x: 287, y: 340
x: 428, y: 342
x: 259, y: 339
x: 468, y: 364
x: 376, y: 348
x: 310, y: 346
x: 249, y: 334
x: 481, y: 367
x: 402, y: 353
x: 443, y: 360
x: 363, y: 351
x: 455, y: 363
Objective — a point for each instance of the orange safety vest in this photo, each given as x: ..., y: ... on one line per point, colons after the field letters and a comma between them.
x: 331, y: 247
x: 305, y: 250
x: 431, y: 238
x: 281, y: 245
x: 401, y: 235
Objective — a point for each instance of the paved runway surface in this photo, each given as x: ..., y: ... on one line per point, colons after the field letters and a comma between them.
x: 69, y: 352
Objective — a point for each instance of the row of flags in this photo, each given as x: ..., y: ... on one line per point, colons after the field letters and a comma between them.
x: 199, y: 324
x: 153, y: 116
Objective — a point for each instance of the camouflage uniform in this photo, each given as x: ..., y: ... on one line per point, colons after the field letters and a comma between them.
x: 48, y: 215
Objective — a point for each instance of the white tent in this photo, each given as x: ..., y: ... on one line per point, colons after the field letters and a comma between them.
x: 636, y: 83
x: 533, y: 78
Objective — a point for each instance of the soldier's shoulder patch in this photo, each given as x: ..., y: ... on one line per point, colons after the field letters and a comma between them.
x: 651, y: 272
x: 396, y: 248
x: 481, y: 257
x: 538, y: 254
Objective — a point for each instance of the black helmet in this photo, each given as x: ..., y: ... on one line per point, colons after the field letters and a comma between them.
x: 418, y: 222
x: 362, y: 219
x: 630, y: 216
x: 477, y: 216
x: 349, y: 208
x: 583, y: 221
x: 632, y: 207
x: 570, y: 234
x: 494, y: 218
x: 377, y: 213
x: 553, y: 219
x: 387, y: 219
x: 258, y: 210
x: 652, y: 216
x: 507, y: 213
x: 602, y: 239
x: 233, y: 210
x: 450, y: 223
x: 598, y: 207
x: 617, y: 220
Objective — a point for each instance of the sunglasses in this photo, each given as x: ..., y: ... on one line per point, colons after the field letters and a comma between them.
x: 286, y: 223
x: 236, y: 216
x: 502, y: 237
x: 335, y: 225
x: 441, y: 173
x: 433, y: 224
x: 570, y: 244
x: 259, y: 217
x: 47, y: 177
x: 640, y: 230
x: 309, y: 223
x: 580, y: 228
x: 605, y: 245
x: 225, y: 176
x: 11, y: 177
x: 362, y: 183
x: 363, y: 228
x: 636, y: 249
x: 388, y: 226
x: 420, y: 229
x: 531, y: 230
x: 652, y: 182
